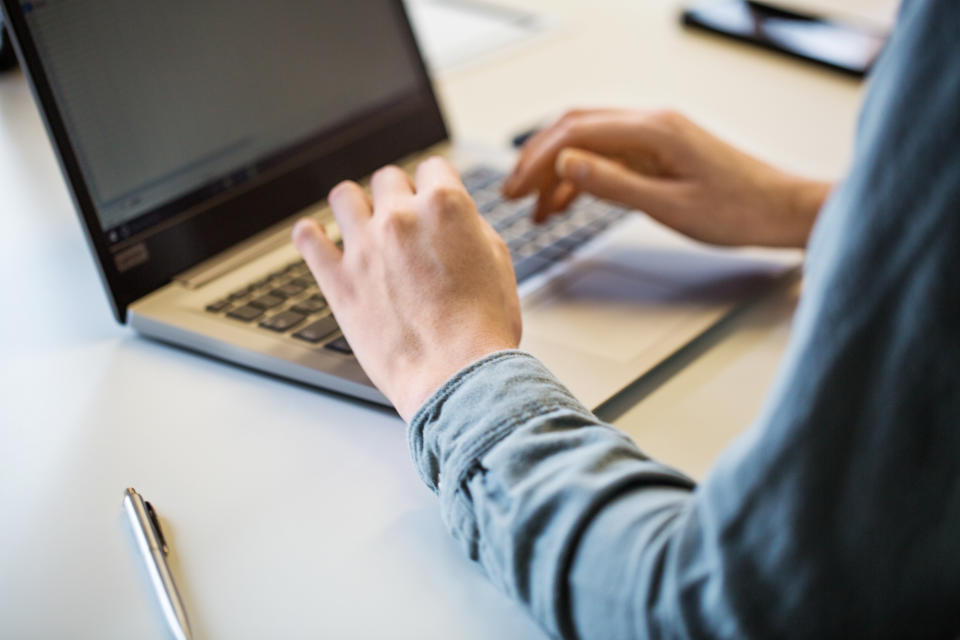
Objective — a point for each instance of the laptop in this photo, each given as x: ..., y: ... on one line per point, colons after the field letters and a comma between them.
x: 193, y: 135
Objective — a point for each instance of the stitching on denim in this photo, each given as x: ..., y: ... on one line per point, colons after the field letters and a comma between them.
x: 432, y: 408
x: 469, y: 458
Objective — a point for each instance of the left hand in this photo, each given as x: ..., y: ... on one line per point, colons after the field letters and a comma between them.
x: 680, y: 174
x: 423, y: 286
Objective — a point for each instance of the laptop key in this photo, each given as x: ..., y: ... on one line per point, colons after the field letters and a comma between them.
x: 553, y: 252
x: 313, y: 304
x: 317, y: 331
x: 242, y: 292
x: 246, y: 313
x: 290, y: 289
x: 283, y: 321
x: 298, y: 269
x: 218, y: 306
x: 304, y: 281
x: 519, y: 251
x: 478, y: 177
x: 340, y: 345
x: 267, y: 301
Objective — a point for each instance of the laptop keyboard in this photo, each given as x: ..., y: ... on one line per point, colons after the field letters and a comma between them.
x: 536, y: 247
x: 288, y: 300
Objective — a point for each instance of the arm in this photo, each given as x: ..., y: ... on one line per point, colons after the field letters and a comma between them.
x: 522, y: 469
x: 836, y: 516
x: 661, y: 163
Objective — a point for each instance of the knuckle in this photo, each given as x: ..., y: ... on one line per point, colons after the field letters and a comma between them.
x: 501, y: 247
x: 446, y: 200
x: 497, y: 244
x: 566, y: 125
x: 356, y: 263
x: 668, y: 117
x: 572, y: 122
x: 572, y: 129
x: 398, y: 222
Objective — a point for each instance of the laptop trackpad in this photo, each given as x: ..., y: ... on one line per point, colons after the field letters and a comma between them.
x: 629, y: 298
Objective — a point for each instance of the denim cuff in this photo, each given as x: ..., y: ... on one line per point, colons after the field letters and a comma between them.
x: 476, y: 408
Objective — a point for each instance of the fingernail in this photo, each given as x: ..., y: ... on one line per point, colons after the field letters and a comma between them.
x: 572, y: 167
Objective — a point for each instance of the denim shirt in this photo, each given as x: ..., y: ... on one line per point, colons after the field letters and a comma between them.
x: 838, y: 513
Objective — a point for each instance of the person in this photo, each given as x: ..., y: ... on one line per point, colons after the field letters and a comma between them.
x: 836, y: 515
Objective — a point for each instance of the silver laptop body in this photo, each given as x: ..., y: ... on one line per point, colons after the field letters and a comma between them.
x: 195, y: 139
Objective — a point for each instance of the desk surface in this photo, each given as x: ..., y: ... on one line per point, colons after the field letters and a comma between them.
x: 292, y: 512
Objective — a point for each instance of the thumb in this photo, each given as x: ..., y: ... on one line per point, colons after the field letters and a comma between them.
x: 610, y: 180
x: 318, y: 251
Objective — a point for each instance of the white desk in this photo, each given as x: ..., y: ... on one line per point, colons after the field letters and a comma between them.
x: 294, y: 513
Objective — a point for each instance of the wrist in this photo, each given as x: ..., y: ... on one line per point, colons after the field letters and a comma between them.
x: 805, y: 198
x: 421, y: 380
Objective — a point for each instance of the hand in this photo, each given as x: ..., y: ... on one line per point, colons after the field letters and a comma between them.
x: 675, y: 171
x: 423, y: 286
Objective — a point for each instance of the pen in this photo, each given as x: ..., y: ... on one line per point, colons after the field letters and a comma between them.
x: 153, y: 548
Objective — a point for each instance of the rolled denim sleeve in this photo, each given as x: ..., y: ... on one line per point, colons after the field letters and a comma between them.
x: 837, y: 515
x: 521, y: 467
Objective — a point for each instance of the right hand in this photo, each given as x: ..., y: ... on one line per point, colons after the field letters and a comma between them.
x: 423, y: 286
x: 675, y: 171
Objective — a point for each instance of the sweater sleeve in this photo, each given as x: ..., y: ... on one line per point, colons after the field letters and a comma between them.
x: 838, y: 513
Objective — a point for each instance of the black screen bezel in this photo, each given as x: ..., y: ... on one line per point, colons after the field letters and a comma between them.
x: 410, y: 125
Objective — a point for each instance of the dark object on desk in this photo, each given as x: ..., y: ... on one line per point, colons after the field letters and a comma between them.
x: 844, y: 47
x: 521, y: 138
x: 8, y: 59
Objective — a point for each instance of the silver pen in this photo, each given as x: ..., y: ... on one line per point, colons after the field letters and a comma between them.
x: 153, y: 548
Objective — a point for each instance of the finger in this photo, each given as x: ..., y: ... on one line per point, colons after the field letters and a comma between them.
x: 435, y: 172
x: 564, y: 195
x: 536, y: 141
x: 318, y: 251
x: 545, y: 197
x: 388, y: 185
x: 556, y: 199
x: 351, y: 207
x: 607, y: 133
x: 610, y: 180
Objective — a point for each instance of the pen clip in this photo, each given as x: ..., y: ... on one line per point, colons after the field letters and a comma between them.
x: 156, y: 527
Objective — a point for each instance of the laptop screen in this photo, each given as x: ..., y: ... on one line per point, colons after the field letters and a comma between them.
x: 173, y: 109
x: 164, y: 99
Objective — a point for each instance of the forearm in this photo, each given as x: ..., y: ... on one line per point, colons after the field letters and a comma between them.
x: 522, y: 469
x: 805, y: 198
x: 790, y: 206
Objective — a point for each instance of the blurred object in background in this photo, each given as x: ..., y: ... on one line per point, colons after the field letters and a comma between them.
x: 8, y: 59
x: 838, y: 43
x: 452, y: 33
x: 876, y: 14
